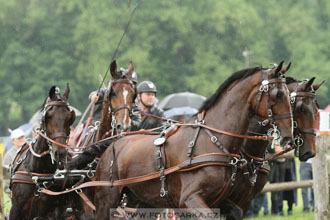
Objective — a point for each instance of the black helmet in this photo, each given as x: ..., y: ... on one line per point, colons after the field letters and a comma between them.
x: 134, y: 75
x: 146, y: 86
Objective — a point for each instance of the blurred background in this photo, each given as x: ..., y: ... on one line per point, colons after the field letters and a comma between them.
x: 182, y: 46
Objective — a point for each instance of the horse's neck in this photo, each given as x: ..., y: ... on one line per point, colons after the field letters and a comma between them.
x: 255, y: 148
x: 43, y: 164
x: 231, y: 113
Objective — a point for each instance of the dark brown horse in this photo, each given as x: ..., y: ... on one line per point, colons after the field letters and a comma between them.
x: 213, y: 164
x: 42, y: 157
x: 117, y: 109
x: 304, y: 110
x: 118, y: 99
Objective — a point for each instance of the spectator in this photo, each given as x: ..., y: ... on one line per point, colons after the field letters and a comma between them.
x: 277, y: 175
x: 18, y: 139
x: 257, y: 203
x: 306, y: 173
x: 290, y: 175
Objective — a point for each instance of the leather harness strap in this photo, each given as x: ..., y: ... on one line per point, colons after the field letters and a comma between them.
x: 86, y: 200
x: 203, y: 160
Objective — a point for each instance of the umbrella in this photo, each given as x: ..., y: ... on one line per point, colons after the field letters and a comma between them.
x: 182, y: 99
x: 174, y: 113
x: 36, y: 118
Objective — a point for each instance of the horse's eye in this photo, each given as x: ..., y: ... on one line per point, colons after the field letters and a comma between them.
x: 302, y: 109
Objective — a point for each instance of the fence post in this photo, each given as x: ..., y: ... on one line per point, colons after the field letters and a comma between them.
x: 321, y: 177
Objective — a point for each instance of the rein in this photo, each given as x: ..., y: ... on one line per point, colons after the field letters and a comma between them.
x: 264, y: 137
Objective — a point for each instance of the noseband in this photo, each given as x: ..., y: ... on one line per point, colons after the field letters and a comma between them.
x: 270, y: 88
x: 296, y: 99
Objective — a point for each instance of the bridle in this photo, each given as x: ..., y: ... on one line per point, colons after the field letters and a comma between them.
x: 296, y: 99
x: 44, y: 133
x: 124, y: 78
x: 270, y: 88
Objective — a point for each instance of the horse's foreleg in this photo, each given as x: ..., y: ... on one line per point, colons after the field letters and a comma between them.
x: 106, y: 201
x: 231, y: 210
x: 197, y: 208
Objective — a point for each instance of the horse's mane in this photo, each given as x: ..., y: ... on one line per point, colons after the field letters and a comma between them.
x: 235, y: 76
x: 291, y: 80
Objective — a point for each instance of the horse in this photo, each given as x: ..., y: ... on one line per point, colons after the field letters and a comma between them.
x: 304, y: 110
x: 208, y: 165
x: 117, y: 108
x: 40, y: 158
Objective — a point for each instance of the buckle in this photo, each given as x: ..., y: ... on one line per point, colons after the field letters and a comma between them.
x: 214, y: 139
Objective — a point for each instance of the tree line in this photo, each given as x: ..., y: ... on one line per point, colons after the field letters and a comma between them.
x: 180, y: 45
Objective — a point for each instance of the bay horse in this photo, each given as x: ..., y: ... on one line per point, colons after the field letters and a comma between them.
x: 42, y: 157
x: 211, y: 165
x: 117, y: 108
x: 304, y: 110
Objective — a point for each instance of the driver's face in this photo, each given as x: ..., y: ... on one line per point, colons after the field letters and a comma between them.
x: 148, y: 98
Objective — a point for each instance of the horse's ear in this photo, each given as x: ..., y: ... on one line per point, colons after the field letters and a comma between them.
x: 113, y: 68
x: 130, y: 69
x: 67, y: 92
x: 278, y: 69
x: 317, y: 86
x: 308, y: 85
x: 52, y: 94
x: 286, y: 68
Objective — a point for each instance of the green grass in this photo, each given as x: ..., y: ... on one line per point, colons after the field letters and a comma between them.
x: 7, y: 203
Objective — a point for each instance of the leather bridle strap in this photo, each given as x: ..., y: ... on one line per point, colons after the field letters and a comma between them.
x: 296, y: 99
x: 265, y: 88
x: 123, y: 106
x: 59, y: 135
x: 36, y: 154
x: 308, y: 131
x: 55, y: 142
x: 259, y: 159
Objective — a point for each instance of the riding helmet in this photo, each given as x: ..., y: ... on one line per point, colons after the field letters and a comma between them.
x: 146, y: 86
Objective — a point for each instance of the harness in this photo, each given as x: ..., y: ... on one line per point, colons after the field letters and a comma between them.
x: 270, y: 88
x: 26, y: 176
x: 223, y: 158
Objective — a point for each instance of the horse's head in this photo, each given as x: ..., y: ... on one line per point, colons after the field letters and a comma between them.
x: 56, y: 121
x: 122, y: 92
x: 304, y: 110
x: 272, y: 105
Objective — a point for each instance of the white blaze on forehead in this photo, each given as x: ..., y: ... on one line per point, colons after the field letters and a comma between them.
x: 125, y: 93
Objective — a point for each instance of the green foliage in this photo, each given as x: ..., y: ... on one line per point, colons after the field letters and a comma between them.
x: 181, y: 45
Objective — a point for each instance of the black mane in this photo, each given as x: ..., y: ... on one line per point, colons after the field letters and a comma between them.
x: 235, y: 76
x: 291, y: 80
